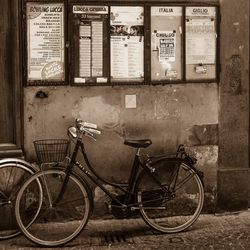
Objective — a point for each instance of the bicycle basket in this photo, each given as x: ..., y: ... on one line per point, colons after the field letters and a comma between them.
x: 51, y: 150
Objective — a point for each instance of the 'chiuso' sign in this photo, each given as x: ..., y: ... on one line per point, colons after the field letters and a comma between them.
x: 200, y: 11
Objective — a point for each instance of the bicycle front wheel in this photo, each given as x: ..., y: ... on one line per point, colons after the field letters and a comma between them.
x: 172, y: 200
x: 58, y: 221
x: 12, y: 176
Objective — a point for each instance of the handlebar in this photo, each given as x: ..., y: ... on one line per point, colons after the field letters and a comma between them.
x: 87, y: 124
x: 87, y: 128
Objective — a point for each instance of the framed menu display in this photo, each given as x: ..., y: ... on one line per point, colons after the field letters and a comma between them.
x: 200, y: 43
x: 126, y: 43
x: 166, y: 40
x: 107, y: 43
x: 90, y: 26
x: 45, y: 41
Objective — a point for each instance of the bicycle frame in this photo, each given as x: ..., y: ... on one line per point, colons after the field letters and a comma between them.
x: 156, y: 189
x: 99, y: 181
x: 128, y: 189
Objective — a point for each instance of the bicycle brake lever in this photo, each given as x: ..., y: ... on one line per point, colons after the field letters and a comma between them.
x: 88, y: 133
x: 91, y: 136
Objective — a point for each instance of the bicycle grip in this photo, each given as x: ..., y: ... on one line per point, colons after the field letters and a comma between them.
x: 94, y: 131
x: 89, y: 125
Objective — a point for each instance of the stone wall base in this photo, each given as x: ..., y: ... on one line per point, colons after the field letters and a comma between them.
x: 233, y: 189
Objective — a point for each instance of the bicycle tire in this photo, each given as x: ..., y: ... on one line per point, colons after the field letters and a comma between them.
x: 13, y: 172
x: 60, y: 224
x: 178, y: 206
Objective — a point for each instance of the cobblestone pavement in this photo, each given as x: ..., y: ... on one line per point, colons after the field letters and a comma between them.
x: 223, y: 231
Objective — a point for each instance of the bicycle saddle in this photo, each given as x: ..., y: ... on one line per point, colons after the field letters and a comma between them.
x: 138, y: 143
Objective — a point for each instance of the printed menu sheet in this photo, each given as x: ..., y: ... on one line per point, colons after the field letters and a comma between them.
x: 45, y: 41
x: 200, y: 35
x: 127, y: 42
x: 91, y: 41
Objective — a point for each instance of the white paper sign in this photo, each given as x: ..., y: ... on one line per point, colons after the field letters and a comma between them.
x: 127, y: 42
x: 45, y: 41
x: 126, y: 57
x: 84, y: 9
x: 165, y: 42
x: 201, y: 11
x: 200, y: 41
x: 166, y: 11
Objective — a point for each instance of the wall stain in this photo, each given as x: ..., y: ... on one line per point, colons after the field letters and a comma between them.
x: 204, y: 135
x: 233, y: 74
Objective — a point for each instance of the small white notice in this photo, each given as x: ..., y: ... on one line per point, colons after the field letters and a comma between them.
x: 130, y: 101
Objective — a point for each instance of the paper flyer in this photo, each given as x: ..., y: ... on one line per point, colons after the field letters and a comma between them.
x: 127, y: 42
x: 45, y: 41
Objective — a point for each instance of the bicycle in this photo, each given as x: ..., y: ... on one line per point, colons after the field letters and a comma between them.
x: 166, y: 191
x: 13, y: 172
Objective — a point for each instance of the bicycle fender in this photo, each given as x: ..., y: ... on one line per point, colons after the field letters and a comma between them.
x: 197, y: 171
x: 164, y: 159
x: 15, y: 161
x: 200, y: 174
x: 89, y: 190
x: 153, y: 163
x: 84, y: 182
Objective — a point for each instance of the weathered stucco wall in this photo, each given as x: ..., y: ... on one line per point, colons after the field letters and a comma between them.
x: 169, y: 115
x: 233, y: 174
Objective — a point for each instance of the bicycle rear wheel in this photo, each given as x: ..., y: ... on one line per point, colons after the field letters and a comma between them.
x: 12, y: 176
x: 56, y: 223
x: 175, y: 202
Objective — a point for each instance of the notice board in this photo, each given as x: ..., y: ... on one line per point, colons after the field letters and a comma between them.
x: 90, y: 24
x: 126, y: 43
x: 45, y: 41
x: 166, y: 39
x: 200, y: 43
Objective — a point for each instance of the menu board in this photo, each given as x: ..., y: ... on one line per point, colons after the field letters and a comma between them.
x: 91, y: 48
x: 166, y: 43
x: 127, y: 43
x: 200, y: 42
x: 200, y: 37
x: 45, y: 41
x: 91, y: 21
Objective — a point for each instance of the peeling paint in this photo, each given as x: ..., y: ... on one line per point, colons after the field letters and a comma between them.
x: 206, y: 155
x: 165, y: 114
x: 167, y: 106
x: 203, y: 135
x: 95, y: 109
x: 207, y: 162
x: 241, y: 47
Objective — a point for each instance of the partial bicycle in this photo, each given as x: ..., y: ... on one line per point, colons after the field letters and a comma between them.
x: 167, y: 192
x: 13, y: 172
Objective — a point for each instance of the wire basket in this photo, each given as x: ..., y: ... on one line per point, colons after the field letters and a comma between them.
x: 51, y: 150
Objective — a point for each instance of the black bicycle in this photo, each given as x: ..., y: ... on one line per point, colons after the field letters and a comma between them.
x: 13, y: 172
x: 53, y: 205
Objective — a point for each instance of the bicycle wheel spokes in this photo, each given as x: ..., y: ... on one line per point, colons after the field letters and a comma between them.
x: 12, y: 176
x: 55, y: 224
x: 178, y: 206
